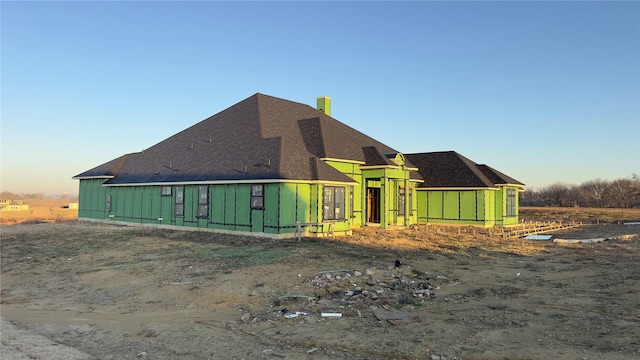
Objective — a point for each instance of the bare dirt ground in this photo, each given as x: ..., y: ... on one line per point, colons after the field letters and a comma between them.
x: 111, y: 292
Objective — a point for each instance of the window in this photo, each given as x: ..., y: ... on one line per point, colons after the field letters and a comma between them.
x: 108, y: 203
x: 179, y: 201
x: 511, y: 202
x: 166, y: 191
x: 333, y: 203
x: 401, y: 198
x: 203, y: 201
x: 257, y: 197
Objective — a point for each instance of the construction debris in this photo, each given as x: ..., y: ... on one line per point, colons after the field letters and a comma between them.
x: 352, y: 293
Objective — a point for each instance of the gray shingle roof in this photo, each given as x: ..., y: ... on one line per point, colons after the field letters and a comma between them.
x: 261, y: 137
x: 448, y: 169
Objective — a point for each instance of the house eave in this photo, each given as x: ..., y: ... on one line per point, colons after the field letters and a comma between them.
x: 220, y: 182
x: 342, y: 160
x: 92, y: 177
x: 522, y: 186
x: 381, y: 167
x: 458, y: 188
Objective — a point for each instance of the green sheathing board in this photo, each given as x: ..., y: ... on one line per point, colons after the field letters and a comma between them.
x: 243, y: 207
x: 490, y: 208
x: 288, y: 205
x: 271, y: 208
x: 469, y: 205
x: 93, y: 199
x: 303, y: 207
x: 229, y: 206
x: 461, y: 207
x: 500, y: 206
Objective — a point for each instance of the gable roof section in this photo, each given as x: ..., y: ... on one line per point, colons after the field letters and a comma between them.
x: 373, y: 157
x: 497, y: 177
x: 259, y: 138
x: 108, y: 169
x: 448, y: 169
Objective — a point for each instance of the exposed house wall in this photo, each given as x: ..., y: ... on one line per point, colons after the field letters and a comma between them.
x: 464, y: 207
x: 507, y: 206
x: 484, y: 207
x: 225, y: 207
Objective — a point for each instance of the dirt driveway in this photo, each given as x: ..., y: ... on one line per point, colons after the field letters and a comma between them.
x: 115, y: 292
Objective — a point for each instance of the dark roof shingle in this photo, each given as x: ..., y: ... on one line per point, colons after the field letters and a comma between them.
x: 448, y: 169
x: 261, y: 137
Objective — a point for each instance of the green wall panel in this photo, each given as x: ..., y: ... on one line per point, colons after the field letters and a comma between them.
x: 288, y: 204
x: 304, y: 203
x: 271, y: 208
x: 136, y: 203
x: 468, y: 205
x: 92, y: 202
x: 243, y: 207
x: 146, y: 212
x: 230, y: 206
x: 435, y: 205
x: 451, y: 205
x: 217, y: 205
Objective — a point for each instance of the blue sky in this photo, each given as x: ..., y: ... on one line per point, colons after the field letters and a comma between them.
x: 545, y: 92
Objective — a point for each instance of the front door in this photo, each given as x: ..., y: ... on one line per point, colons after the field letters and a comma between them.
x: 373, y: 205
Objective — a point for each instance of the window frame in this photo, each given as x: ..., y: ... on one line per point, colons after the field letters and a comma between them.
x: 331, y: 206
x: 203, y: 202
x: 511, y: 195
x: 257, y: 194
x: 179, y: 201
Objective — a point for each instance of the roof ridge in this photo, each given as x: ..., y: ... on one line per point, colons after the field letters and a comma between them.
x: 473, y: 166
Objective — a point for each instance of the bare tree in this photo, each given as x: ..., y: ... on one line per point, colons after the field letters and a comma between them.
x: 621, y: 193
x: 593, y: 193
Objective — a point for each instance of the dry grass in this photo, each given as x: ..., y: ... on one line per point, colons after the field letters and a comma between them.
x: 584, y: 215
x: 40, y: 211
x: 444, y: 239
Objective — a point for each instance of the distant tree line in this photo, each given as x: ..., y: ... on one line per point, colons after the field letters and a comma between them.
x: 6, y: 195
x: 621, y: 193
